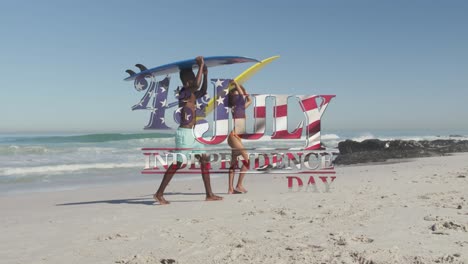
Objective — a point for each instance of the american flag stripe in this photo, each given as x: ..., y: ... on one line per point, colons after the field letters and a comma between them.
x: 309, y: 104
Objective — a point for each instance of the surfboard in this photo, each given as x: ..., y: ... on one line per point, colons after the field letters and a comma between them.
x: 241, y: 79
x: 191, y: 63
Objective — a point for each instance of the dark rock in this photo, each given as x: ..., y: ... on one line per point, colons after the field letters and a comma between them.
x: 375, y: 150
x: 168, y: 261
x: 350, y: 146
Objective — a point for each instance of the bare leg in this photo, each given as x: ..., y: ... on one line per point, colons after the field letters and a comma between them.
x: 231, y: 180
x: 232, y: 170
x: 204, y: 162
x: 239, y: 186
x: 238, y: 149
x: 159, y: 195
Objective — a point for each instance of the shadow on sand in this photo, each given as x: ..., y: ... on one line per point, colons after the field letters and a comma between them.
x: 144, y: 200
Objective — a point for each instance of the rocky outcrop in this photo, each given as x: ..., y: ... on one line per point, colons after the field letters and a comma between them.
x: 374, y: 150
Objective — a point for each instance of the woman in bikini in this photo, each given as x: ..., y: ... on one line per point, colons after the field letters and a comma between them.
x: 238, y: 101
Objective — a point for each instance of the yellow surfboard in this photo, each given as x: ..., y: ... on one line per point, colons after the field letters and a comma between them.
x: 241, y: 79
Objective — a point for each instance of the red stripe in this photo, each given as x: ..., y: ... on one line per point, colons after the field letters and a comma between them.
x: 150, y: 149
x: 223, y: 149
x: 252, y: 136
x: 284, y: 134
x: 310, y: 103
x: 260, y: 112
x: 214, y: 140
x: 281, y: 110
x: 313, y: 128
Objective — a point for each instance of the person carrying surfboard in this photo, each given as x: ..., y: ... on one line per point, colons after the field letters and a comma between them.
x: 184, y: 137
x: 238, y: 101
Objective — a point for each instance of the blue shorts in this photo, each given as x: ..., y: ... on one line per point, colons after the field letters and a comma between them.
x: 185, y: 138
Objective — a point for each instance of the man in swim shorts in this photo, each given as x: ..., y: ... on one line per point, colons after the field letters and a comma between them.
x: 185, y: 137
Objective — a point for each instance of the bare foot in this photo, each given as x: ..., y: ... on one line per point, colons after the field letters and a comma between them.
x: 213, y: 198
x: 230, y: 191
x: 160, y: 199
x: 241, y: 189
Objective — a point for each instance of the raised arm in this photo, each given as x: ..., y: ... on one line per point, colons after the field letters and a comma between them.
x: 201, y: 64
x: 237, y: 87
x: 202, y: 91
x: 241, y: 91
x: 248, y: 100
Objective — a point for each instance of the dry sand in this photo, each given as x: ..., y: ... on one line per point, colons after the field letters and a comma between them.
x: 408, y: 212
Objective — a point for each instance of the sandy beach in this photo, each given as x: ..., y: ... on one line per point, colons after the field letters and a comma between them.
x: 412, y: 211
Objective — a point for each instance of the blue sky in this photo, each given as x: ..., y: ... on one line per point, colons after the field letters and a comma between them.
x: 400, y: 65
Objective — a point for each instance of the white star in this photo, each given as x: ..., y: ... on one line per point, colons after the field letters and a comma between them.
x: 162, y: 120
x: 163, y: 103
x: 154, y: 110
x: 220, y: 100
x: 139, y: 86
x: 226, y: 91
x: 218, y: 83
x: 178, y: 109
x: 198, y: 105
x: 187, y: 117
x: 227, y: 109
x: 207, y: 96
x: 162, y: 89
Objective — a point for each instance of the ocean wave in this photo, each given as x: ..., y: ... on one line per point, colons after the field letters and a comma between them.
x: 18, y: 150
x: 65, y: 168
x: 329, y: 137
x: 330, y: 140
x: 163, y: 140
x: 364, y: 136
x: 90, y: 138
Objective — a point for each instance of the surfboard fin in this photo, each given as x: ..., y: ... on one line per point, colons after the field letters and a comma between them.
x: 141, y: 67
x: 130, y: 72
